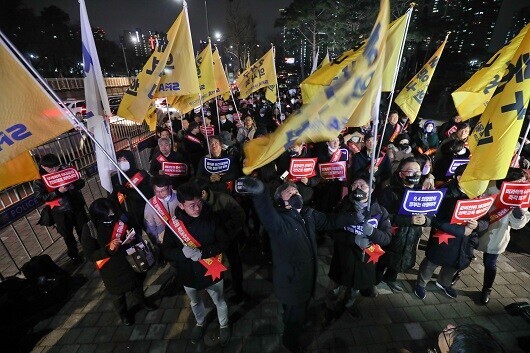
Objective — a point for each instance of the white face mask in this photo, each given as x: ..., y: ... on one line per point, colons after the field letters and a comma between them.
x: 167, y: 198
x: 262, y: 115
x: 426, y: 169
x: 429, y: 128
x: 222, y: 121
x: 124, y: 165
x: 331, y: 149
x: 461, y: 152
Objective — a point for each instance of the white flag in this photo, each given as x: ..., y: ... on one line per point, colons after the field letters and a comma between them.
x: 315, y: 61
x: 97, y: 102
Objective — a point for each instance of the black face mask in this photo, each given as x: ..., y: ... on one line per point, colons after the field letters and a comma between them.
x: 109, y: 219
x: 296, y: 201
x: 413, y: 179
x: 357, y: 195
x: 404, y: 147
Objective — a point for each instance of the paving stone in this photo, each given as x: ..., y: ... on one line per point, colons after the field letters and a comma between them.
x: 462, y: 309
x: 485, y: 322
x: 397, y: 315
x: 122, y: 347
x: 71, y: 348
x: 415, y: 330
x: 381, y: 333
x: 70, y: 336
x: 471, y: 280
x: 140, y: 347
x: 53, y: 337
x: 108, y: 319
x: 415, y: 314
x: 139, y: 332
x: 87, y: 348
x: 156, y: 332
x: 122, y: 333
x: 159, y: 346
x: 398, y: 332
x: 105, y: 334
x: 87, y: 335
x: 173, y: 331
x: 106, y: 347
x: 519, y: 290
x: 89, y: 319
x: 152, y: 317
x: 169, y: 316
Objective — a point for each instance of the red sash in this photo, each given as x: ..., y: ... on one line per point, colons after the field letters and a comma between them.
x: 136, y: 179
x: 335, y: 156
x: 214, y: 265
x: 119, y: 230
x: 160, y: 208
x: 499, y: 214
x: 161, y: 158
x: 193, y: 139
x: 397, y: 131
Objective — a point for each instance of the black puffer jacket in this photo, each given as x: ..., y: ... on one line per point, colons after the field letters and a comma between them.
x: 348, y: 268
x: 400, y: 254
x: 117, y: 274
x: 293, y: 246
x: 210, y: 233
x: 455, y: 251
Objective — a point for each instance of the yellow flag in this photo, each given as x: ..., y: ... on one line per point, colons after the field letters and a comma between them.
x: 221, y: 82
x: 395, y: 38
x: 169, y: 72
x: 472, y: 97
x: 330, y: 110
x: 322, y: 77
x: 261, y: 74
x: 493, y: 140
x: 205, y: 74
x: 411, y: 96
x: 271, y: 93
x: 18, y: 170
x: 28, y: 115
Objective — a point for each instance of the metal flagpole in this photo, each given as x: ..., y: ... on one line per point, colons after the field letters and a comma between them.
x: 520, y: 150
x: 277, y: 85
x: 375, y: 114
x: 170, y: 124
x: 77, y: 125
x: 215, y: 85
x: 396, y: 73
x: 204, y: 124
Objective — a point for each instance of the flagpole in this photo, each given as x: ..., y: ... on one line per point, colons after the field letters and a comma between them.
x: 277, y: 85
x: 215, y: 85
x: 170, y: 125
x: 229, y: 88
x: 78, y: 125
x: 396, y: 74
x: 520, y: 150
x: 375, y: 113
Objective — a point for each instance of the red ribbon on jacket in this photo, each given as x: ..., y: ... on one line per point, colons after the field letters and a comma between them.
x: 136, y: 179
x: 119, y: 230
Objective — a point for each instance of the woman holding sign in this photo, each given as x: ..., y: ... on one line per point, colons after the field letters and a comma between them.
x: 503, y: 217
x: 107, y: 248
x: 60, y: 189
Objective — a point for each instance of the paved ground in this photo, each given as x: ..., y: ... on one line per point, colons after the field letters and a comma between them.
x: 87, y: 323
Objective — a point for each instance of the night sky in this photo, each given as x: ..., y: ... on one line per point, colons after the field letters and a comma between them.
x: 114, y: 16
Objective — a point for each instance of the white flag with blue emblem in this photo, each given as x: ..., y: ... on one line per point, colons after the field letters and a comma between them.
x: 97, y: 102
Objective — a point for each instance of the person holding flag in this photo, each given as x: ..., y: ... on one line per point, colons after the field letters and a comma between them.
x: 494, y: 241
x: 292, y: 229
x: 64, y: 198
x: 195, y: 250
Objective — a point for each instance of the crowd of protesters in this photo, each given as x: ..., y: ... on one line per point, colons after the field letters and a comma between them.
x: 208, y: 199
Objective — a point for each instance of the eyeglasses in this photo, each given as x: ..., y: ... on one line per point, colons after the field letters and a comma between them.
x: 448, y: 332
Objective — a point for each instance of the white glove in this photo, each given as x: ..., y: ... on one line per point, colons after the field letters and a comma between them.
x: 192, y: 253
x: 362, y: 241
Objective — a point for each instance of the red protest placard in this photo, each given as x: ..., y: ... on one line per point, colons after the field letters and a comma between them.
x: 174, y: 169
x: 207, y: 131
x: 514, y: 194
x: 302, y: 167
x: 61, y: 178
x: 467, y: 210
x: 335, y: 170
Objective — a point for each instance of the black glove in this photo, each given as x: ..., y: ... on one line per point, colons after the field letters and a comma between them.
x: 518, y: 212
x: 249, y: 185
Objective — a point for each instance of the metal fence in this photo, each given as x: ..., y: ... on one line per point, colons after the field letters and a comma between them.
x: 20, y: 237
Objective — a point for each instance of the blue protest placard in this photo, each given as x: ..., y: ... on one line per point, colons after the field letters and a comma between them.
x: 215, y: 166
x: 422, y: 202
x: 455, y: 164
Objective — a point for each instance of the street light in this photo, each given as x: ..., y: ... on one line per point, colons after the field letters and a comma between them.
x: 218, y: 36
